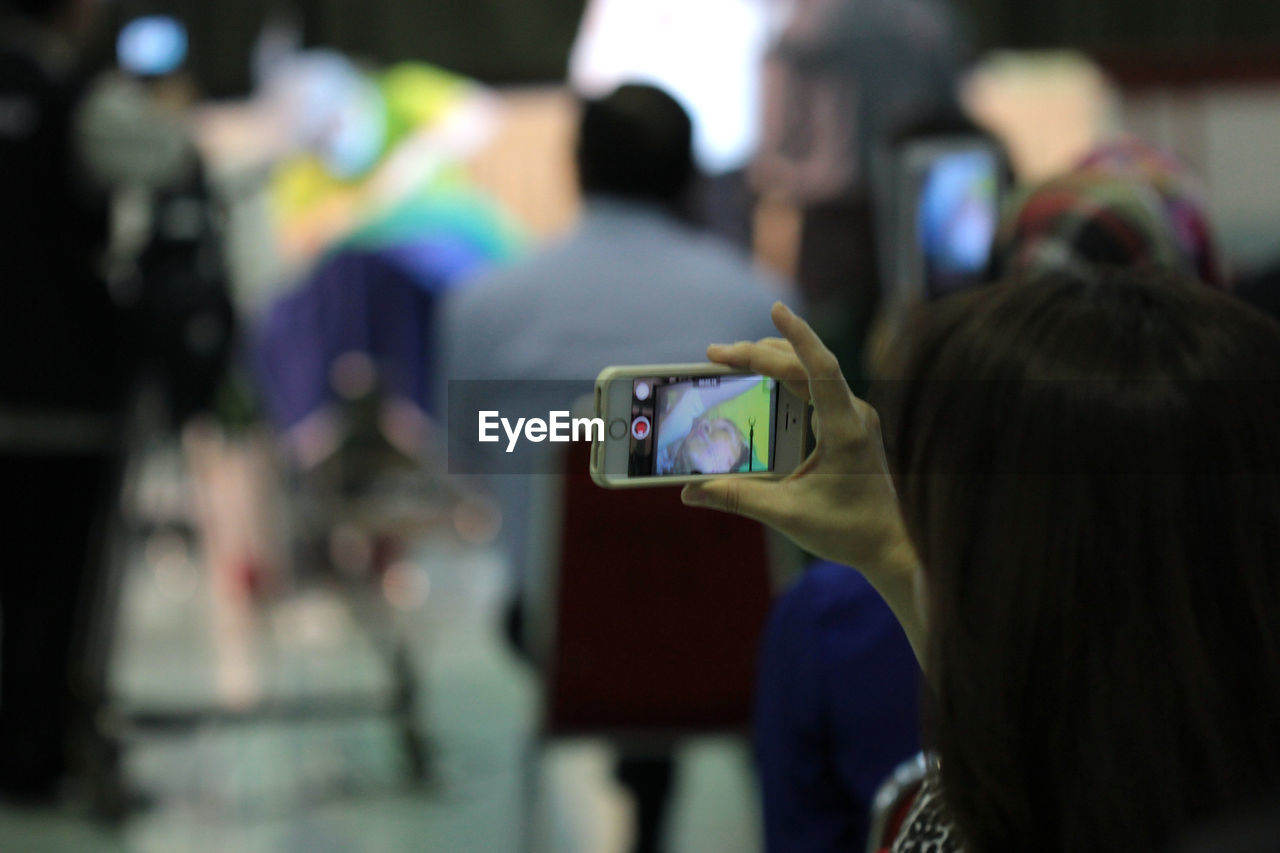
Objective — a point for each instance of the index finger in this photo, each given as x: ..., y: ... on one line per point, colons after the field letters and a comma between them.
x: 769, y: 357
x: 827, y: 386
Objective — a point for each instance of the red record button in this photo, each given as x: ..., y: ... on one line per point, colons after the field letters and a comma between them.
x: 640, y: 428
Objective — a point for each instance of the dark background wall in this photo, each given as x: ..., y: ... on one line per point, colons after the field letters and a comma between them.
x: 1094, y: 24
x: 498, y: 41
x: 506, y: 41
x: 493, y: 40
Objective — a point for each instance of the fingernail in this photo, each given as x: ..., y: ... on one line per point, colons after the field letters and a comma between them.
x: 691, y: 495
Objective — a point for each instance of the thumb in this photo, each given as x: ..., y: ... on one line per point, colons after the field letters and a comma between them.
x: 755, y: 499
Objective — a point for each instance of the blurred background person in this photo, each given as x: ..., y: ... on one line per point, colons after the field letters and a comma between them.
x: 708, y: 56
x: 842, y: 81
x: 62, y: 386
x: 631, y: 284
x: 837, y: 710
x: 91, y: 302
x: 1182, y: 195
x: 1127, y: 203
x: 364, y: 151
x: 372, y: 208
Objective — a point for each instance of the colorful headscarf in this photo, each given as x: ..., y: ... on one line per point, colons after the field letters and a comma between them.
x: 1127, y: 204
x: 1181, y: 193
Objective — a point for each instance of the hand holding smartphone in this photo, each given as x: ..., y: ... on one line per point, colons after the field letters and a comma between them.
x: 670, y: 424
x: 842, y: 504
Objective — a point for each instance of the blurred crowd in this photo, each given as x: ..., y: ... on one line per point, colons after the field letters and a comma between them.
x: 1029, y: 601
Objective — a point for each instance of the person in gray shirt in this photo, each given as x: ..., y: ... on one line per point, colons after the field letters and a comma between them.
x: 632, y: 284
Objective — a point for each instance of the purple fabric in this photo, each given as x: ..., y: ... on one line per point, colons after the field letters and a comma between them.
x: 381, y: 303
x: 437, y: 264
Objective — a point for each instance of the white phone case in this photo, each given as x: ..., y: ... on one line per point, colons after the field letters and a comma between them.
x: 609, y: 375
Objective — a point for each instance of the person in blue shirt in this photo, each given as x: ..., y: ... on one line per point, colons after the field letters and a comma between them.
x: 836, y: 710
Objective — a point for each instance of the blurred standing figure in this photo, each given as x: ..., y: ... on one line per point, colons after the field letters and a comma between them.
x: 631, y: 285
x: 61, y: 384
x: 842, y: 81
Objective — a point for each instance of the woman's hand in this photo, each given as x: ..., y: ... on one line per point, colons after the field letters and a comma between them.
x: 840, y: 503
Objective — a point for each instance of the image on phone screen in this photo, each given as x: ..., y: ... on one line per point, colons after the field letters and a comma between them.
x: 702, y: 425
x: 956, y: 219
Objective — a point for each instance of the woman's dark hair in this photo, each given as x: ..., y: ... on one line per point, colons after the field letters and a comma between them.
x: 636, y: 142
x: 1090, y: 471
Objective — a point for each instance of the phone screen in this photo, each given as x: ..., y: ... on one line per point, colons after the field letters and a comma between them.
x: 956, y: 218
x: 716, y: 424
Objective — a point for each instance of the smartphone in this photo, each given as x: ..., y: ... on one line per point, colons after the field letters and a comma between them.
x: 946, y: 211
x: 667, y: 424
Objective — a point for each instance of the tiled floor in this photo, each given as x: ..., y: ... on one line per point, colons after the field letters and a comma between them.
x: 334, y: 787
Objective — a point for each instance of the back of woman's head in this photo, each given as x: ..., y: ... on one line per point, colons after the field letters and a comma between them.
x: 1090, y: 471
